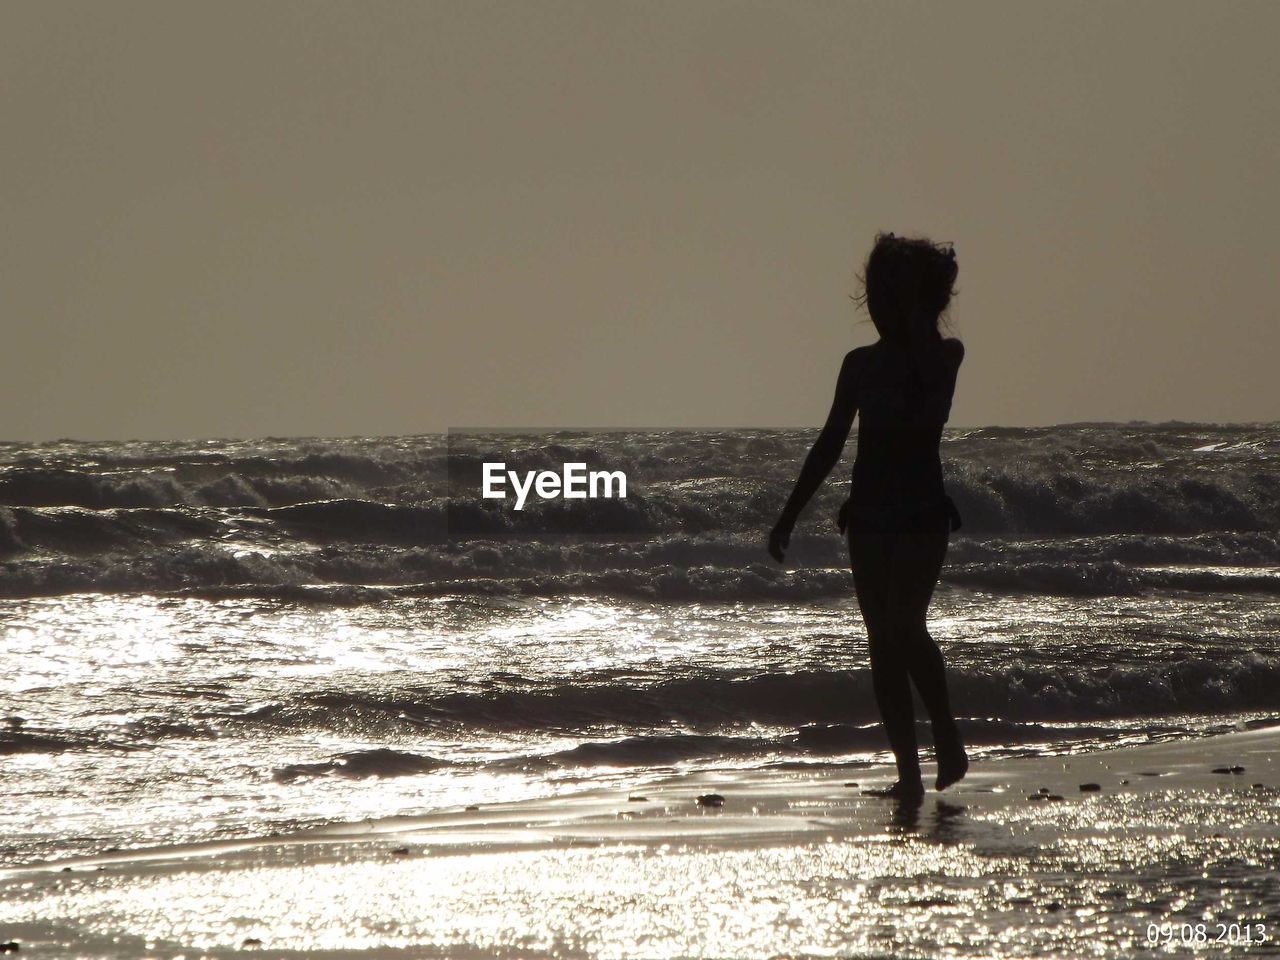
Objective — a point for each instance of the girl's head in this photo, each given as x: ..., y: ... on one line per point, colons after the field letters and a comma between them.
x: 907, y: 280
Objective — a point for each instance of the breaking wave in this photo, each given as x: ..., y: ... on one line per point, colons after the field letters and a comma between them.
x: 1019, y: 693
x: 1089, y: 509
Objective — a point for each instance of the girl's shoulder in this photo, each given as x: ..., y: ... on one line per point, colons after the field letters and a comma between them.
x: 857, y: 358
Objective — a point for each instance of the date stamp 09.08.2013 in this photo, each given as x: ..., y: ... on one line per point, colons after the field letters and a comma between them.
x: 1243, y: 933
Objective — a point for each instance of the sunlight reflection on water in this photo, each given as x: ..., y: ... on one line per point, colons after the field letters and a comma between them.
x: 1076, y: 895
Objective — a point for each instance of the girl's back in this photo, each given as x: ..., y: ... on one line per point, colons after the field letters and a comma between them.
x: 904, y: 399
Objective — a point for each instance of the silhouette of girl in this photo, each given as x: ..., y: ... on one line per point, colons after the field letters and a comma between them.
x: 898, y: 516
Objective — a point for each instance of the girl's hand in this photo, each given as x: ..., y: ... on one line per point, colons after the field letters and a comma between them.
x: 780, y: 539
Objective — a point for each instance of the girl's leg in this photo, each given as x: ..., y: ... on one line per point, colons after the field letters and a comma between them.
x: 871, y: 555
x: 917, y: 564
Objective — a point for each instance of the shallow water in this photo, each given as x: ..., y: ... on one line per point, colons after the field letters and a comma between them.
x: 224, y: 638
x: 151, y: 719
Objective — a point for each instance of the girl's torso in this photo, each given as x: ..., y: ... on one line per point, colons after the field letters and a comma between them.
x: 904, y: 399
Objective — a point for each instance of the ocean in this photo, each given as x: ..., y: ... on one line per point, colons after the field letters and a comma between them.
x: 228, y: 638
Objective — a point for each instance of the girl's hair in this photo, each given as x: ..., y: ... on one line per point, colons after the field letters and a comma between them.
x: 902, y: 274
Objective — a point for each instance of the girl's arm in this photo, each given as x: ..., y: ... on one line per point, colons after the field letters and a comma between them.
x: 824, y: 455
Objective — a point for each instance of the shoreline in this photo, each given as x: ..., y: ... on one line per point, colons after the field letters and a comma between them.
x: 1018, y: 823
x: 763, y: 802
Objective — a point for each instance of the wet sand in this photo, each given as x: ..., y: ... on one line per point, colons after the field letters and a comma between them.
x: 1072, y: 855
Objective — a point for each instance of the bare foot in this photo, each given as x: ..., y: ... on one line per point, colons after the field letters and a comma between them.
x: 953, y: 764
x: 910, y: 790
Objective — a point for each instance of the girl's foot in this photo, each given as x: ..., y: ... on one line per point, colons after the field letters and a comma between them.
x: 902, y: 790
x: 953, y: 763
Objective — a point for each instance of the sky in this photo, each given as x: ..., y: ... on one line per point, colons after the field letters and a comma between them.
x: 242, y: 219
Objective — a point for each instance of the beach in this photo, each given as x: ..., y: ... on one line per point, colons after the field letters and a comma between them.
x: 530, y: 480
x: 244, y: 674
x: 1023, y: 858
